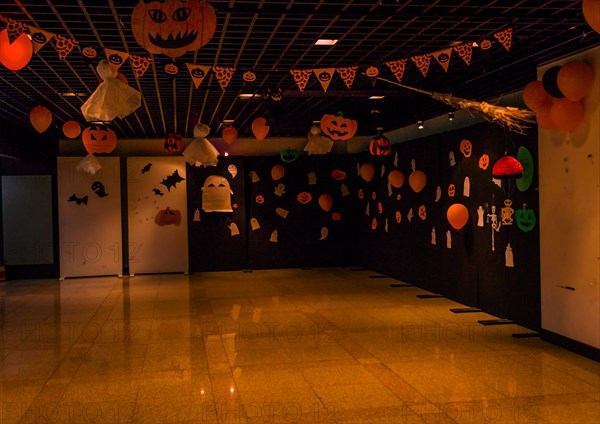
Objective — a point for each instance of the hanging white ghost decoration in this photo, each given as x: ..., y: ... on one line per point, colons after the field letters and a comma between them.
x: 112, y: 99
x: 318, y: 144
x: 216, y: 194
x: 200, y: 152
x: 89, y: 165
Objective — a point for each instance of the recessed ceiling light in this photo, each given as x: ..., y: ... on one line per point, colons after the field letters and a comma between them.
x: 376, y: 97
x: 228, y: 121
x: 475, y: 44
x: 325, y: 42
x: 248, y: 95
x: 316, y: 122
x: 455, y: 43
x: 72, y: 94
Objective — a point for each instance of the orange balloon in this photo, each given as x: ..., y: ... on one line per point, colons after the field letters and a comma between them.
x: 575, y: 79
x: 457, y: 215
x: 277, y: 172
x: 535, y: 96
x: 325, y: 202
x: 367, y: 171
x: 230, y: 134
x: 544, y: 119
x: 40, y: 118
x: 591, y: 13
x: 15, y: 55
x: 260, y: 129
x: 566, y: 114
x: 417, y: 180
x: 71, y: 129
x: 396, y: 178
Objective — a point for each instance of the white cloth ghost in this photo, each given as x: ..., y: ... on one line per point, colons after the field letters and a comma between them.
x: 200, y: 152
x: 89, y: 165
x: 216, y: 194
x: 112, y: 99
x: 318, y: 144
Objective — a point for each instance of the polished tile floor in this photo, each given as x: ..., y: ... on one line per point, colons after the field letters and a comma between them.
x: 275, y: 346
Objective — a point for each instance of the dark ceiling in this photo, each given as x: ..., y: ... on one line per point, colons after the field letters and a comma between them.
x: 272, y: 37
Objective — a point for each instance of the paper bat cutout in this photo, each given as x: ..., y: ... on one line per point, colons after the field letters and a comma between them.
x: 146, y: 168
x: 172, y: 180
x: 157, y: 191
x: 79, y: 200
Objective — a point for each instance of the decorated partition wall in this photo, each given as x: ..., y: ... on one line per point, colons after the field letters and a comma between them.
x: 89, y: 212
x: 432, y: 214
x: 157, y: 214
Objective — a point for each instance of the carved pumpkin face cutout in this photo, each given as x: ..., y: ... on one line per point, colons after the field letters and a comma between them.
x: 171, y: 69
x: 379, y: 208
x: 443, y: 58
x: 276, y: 95
x: 324, y: 76
x: 260, y: 199
x: 99, y: 140
x: 372, y: 71
x: 484, y: 161
x: 89, y: 52
x: 197, y: 73
x: 216, y: 194
x: 249, y: 76
x: 338, y: 174
x: 485, y: 44
x: 174, y: 143
x: 398, y: 217
x: 39, y: 37
x: 304, y: 197
x: 337, y: 127
x: 525, y: 219
x: 168, y: 217
x: 115, y: 59
x: 173, y: 27
x: 380, y: 146
x: 466, y: 148
x: 451, y: 190
x: 422, y: 212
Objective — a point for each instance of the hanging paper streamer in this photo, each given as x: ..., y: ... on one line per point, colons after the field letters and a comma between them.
x: 505, y: 38
x: 397, y: 67
x: 282, y: 212
x: 39, y: 37
x: 64, y: 45
x: 235, y: 231
x: 324, y: 233
x: 433, y: 238
x: 115, y: 58
x: 139, y: 64
x: 197, y: 73
x: 508, y: 257
x: 223, y: 75
x: 254, y: 225
x: 422, y: 62
x: 301, y: 77
x: 467, y: 187
x: 443, y: 57
x: 274, y: 237
x: 347, y: 75
x: 324, y: 76
x: 465, y: 51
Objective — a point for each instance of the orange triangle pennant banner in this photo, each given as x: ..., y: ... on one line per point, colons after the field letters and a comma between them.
x: 139, y: 64
x: 301, y: 77
x: 14, y: 28
x: 115, y: 58
x: 223, y: 75
x: 443, y: 57
x: 324, y: 75
x: 197, y: 72
x: 64, y: 45
x: 347, y: 75
x: 422, y: 62
x: 505, y: 38
x: 465, y: 51
x: 39, y: 37
x: 397, y: 67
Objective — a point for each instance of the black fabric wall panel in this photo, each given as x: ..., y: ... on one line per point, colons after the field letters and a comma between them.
x: 212, y: 243
x: 288, y: 230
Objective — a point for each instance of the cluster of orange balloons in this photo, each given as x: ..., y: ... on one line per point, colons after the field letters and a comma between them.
x: 561, y: 109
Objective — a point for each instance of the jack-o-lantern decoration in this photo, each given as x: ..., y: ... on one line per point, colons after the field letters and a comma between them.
x: 443, y: 58
x: 249, y: 76
x: 275, y: 95
x: 39, y: 37
x: 466, y: 148
x: 99, y: 140
x: 422, y: 212
x: 230, y: 134
x: 324, y: 76
x: 485, y: 44
x: 372, y: 71
x: 451, y: 190
x: 398, y: 217
x: 259, y: 199
x: 115, y: 59
x: 337, y: 127
x: 168, y: 216
x: 174, y: 143
x: 338, y: 175
x: 374, y: 224
x: 380, y: 145
x: 197, y: 73
x: 89, y: 52
x: 484, y: 161
x: 171, y: 69
x: 525, y: 219
x: 173, y: 27
x: 304, y: 197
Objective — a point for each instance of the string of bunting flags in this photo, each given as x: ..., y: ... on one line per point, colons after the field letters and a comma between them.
x: 197, y: 72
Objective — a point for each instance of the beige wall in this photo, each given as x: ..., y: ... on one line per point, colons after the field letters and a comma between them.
x: 569, y: 170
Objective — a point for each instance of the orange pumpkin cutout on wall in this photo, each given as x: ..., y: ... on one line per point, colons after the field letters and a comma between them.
x: 484, y: 161
x: 337, y: 127
x: 466, y: 148
x: 380, y: 145
x: 99, y: 140
x: 173, y: 27
x: 304, y: 197
x: 168, y: 217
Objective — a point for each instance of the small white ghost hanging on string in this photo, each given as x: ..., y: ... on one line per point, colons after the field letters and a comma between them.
x: 200, y: 152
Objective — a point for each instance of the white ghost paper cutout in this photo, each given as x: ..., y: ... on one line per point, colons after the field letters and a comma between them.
x: 396, y: 159
x: 274, y: 237
x: 368, y: 209
x: 254, y: 225
x: 410, y: 215
x: 448, y: 239
x: 200, y: 152
x: 216, y: 194
x: 232, y: 170
x: 112, y: 99
x: 480, y: 212
x: 312, y: 178
x: 451, y: 158
x: 282, y: 212
x: 197, y: 215
x: 344, y: 189
x: 235, y: 231
x: 324, y: 233
x: 254, y: 176
x: 280, y: 190
x: 467, y: 187
x: 508, y: 257
x: 433, y: 237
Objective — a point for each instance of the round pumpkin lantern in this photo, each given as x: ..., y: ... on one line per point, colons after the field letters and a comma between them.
x: 173, y: 27
x: 230, y: 134
x: 337, y: 127
x: 380, y: 145
x: 99, y: 140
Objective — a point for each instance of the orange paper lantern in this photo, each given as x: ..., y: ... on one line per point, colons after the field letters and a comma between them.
x: 260, y: 129
x: 566, y: 114
x: 575, y: 79
x: 591, y: 13
x: 230, y: 134
x: 71, y: 129
x: 325, y: 202
x: 40, y: 118
x: 396, y: 178
x: 367, y: 172
x: 417, y: 180
x: 535, y: 96
x: 457, y: 215
x: 15, y: 55
x: 277, y: 172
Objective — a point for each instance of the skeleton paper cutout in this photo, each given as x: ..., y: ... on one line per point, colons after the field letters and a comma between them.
x: 89, y: 165
x: 216, y: 194
x: 508, y: 257
x: 113, y: 98
x: 324, y: 233
x: 507, y: 213
x: 467, y: 187
x: 200, y: 152
x: 492, y: 218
